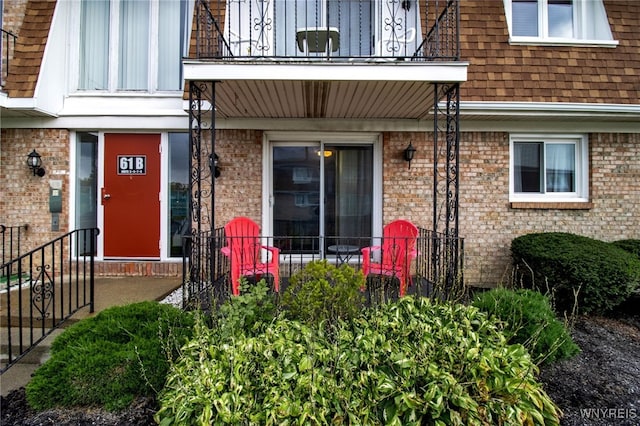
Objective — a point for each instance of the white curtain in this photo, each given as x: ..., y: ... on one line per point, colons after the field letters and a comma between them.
x: 94, y: 45
x: 171, y: 33
x: 560, y: 167
x: 133, y: 61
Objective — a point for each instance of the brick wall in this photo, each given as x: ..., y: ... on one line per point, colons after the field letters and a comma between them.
x: 488, y: 224
x: 239, y: 187
x: 25, y: 198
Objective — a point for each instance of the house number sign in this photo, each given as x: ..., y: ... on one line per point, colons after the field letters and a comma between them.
x: 132, y: 164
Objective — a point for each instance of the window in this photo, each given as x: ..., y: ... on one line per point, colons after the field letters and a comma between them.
x: 128, y: 45
x: 558, y: 21
x: 179, y: 218
x: 549, y: 168
x: 323, y: 189
x: 86, y: 187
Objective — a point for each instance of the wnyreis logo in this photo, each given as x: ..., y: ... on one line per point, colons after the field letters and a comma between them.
x: 608, y: 413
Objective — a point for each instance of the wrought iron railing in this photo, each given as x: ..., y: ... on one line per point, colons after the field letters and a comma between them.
x: 7, y: 47
x: 418, y: 30
x: 435, y: 265
x: 11, y: 242
x: 43, y: 288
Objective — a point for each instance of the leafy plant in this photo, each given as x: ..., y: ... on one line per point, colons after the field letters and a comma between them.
x: 597, y: 274
x: 108, y: 360
x: 529, y: 320
x: 323, y: 292
x: 413, y: 362
x: 249, y: 311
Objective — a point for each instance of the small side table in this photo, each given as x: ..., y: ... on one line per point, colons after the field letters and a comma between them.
x: 343, y: 252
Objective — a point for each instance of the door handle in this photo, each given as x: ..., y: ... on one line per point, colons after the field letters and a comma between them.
x: 104, y: 194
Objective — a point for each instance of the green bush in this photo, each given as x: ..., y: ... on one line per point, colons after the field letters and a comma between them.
x: 323, y: 292
x: 529, y: 320
x: 631, y: 246
x: 248, y: 312
x: 601, y: 274
x: 412, y: 362
x: 108, y: 360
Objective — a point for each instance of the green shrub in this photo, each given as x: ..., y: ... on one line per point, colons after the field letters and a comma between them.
x: 412, y: 362
x: 529, y: 320
x: 601, y: 274
x: 248, y: 312
x: 108, y: 360
x: 323, y: 292
x: 631, y: 246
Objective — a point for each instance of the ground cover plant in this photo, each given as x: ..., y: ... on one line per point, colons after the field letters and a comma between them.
x: 577, y: 272
x: 528, y: 319
x: 410, y: 362
x: 110, y: 359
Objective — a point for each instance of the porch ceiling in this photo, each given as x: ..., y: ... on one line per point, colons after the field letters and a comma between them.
x: 333, y: 90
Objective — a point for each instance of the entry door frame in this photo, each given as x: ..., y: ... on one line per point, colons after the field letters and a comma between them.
x: 164, y: 188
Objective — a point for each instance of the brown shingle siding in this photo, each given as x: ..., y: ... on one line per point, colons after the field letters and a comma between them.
x: 549, y: 73
x: 32, y: 39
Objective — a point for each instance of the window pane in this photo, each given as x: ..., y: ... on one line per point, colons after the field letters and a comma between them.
x: 348, y: 190
x: 134, y: 45
x: 527, y: 167
x: 94, y: 45
x: 560, y: 18
x: 171, y: 39
x: 560, y: 167
x: 524, y: 18
x: 86, y: 205
x: 296, y: 198
x: 179, y: 223
x: 353, y: 20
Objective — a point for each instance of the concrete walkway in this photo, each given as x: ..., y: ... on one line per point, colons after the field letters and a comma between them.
x: 109, y: 292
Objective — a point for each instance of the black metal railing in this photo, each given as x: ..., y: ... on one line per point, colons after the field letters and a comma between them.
x: 418, y: 30
x: 11, y: 242
x: 7, y: 47
x: 434, y: 264
x: 42, y: 288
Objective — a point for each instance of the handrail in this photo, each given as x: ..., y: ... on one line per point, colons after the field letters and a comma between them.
x: 11, y: 244
x: 43, y: 288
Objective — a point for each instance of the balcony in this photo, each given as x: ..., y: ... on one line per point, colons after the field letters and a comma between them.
x: 337, y: 59
x: 435, y: 266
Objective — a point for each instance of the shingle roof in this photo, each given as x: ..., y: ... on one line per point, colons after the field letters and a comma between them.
x: 32, y: 38
x: 499, y: 71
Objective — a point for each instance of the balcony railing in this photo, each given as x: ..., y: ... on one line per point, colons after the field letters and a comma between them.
x: 354, y: 30
x: 7, y: 47
x: 11, y: 242
x: 435, y: 264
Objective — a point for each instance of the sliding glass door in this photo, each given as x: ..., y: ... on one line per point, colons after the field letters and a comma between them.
x: 322, y: 195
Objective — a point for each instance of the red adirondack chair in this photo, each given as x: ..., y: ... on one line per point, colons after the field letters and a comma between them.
x: 245, y: 251
x: 396, y: 252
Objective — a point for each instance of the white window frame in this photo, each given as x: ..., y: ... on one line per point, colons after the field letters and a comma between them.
x: 581, y: 15
x: 581, y: 153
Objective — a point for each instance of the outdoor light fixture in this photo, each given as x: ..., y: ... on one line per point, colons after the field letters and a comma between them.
x: 409, y: 151
x: 214, y: 160
x: 35, y: 162
x: 406, y: 4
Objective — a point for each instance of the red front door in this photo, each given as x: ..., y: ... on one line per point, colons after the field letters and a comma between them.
x: 131, y: 195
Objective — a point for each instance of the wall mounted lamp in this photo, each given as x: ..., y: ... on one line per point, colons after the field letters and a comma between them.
x: 409, y: 152
x: 214, y: 162
x: 34, y: 161
x: 406, y: 4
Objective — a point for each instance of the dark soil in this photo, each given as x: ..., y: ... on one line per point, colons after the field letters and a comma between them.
x: 599, y: 386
